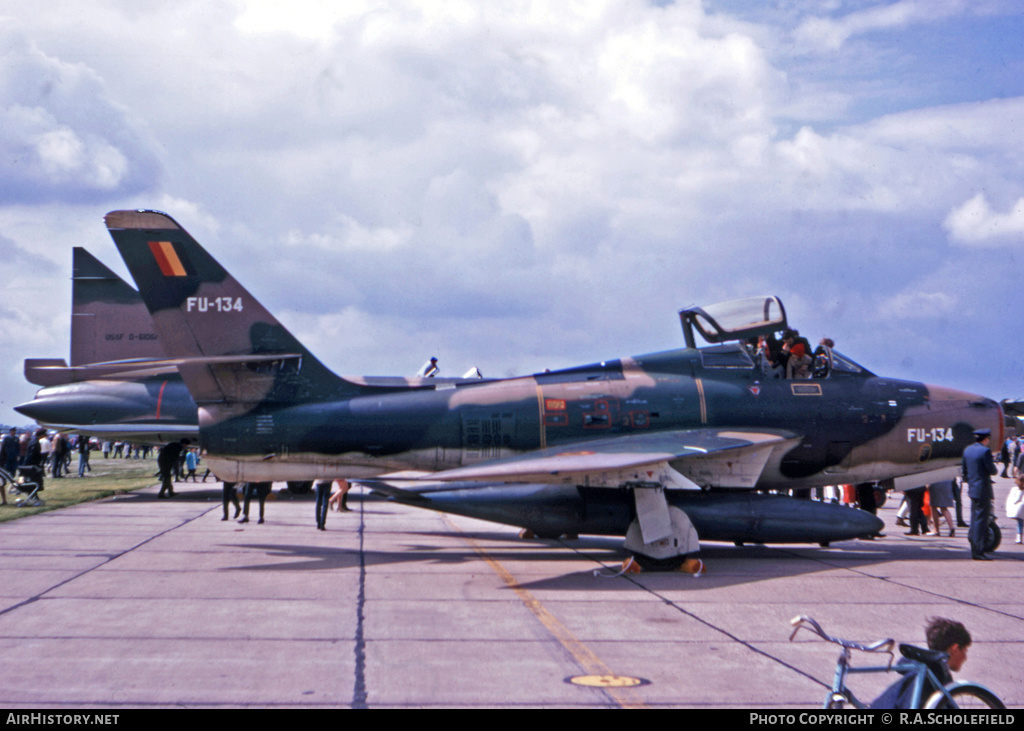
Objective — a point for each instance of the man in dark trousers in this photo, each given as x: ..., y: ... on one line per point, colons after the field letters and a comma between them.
x: 979, y: 468
x: 915, y: 499
x: 167, y: 461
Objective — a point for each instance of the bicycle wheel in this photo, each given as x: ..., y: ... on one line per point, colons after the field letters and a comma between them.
x: 966, y: 696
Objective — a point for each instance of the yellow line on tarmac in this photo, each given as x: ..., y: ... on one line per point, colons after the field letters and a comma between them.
x: 590, y: 663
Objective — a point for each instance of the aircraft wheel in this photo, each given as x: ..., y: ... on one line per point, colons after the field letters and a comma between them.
x: 880, y: 497
x: 659, y: 564
x: 738, y: 544
x: 824, y: 544
x: 300, y: 488
x: 993, y: 538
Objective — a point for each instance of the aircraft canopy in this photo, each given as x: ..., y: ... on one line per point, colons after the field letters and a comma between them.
x: 733, y: 320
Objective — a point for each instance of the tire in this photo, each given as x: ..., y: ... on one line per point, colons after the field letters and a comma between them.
x: 993, y: 537
x: 966, y: 696
x: 648, y: 563
x: 300, y: 488
x: 880, y: 497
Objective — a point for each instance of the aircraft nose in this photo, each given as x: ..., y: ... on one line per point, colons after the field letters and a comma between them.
x: 976, y: 411
x: 54, y: 410
x: 31, y: 409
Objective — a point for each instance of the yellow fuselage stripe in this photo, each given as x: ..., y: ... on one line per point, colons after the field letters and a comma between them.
x: 543, y: 426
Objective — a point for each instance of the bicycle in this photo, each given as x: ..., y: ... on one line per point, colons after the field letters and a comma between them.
x: 924, y: 666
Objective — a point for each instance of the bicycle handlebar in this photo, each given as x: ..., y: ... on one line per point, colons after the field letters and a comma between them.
x: 807, y: 623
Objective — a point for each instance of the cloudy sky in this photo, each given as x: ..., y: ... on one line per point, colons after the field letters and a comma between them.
x: 522, y: 185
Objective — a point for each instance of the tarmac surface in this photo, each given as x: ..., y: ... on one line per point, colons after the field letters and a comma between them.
x: 134, y: 602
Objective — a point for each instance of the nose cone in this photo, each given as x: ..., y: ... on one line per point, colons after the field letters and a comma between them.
x: 75, y: 405
x: 968, y: 409
x: 33, y: 409
x: 788, y: 520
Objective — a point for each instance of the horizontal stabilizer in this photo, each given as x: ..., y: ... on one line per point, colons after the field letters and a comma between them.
x: 47, y: 371
x: 44, y: 373
x: 55, y: 371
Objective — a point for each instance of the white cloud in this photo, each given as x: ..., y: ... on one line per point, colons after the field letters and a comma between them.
x: 61, y: 138
x: 828, y: 34
x: 976, y: 224
x: 991, y: 125
x: 919, y: 305
x: 917, y: 161
x: 544, y: 180
x: 309, y: 19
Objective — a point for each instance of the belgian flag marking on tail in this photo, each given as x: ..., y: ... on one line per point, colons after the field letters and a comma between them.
x: 170, y: 263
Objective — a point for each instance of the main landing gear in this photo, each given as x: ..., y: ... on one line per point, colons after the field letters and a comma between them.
x: 661, y: 538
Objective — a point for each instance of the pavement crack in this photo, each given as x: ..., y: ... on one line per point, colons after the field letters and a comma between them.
x: 110, y: 557
x: 359, y: 687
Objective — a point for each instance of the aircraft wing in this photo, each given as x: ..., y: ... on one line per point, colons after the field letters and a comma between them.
x: 689, y: 458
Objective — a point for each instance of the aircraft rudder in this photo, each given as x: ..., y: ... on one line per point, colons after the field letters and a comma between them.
x: 109, y: 320
x: 168, y: 265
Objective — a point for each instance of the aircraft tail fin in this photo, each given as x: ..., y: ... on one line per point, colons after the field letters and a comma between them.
x: 109, y: 320
x: 206, y: 318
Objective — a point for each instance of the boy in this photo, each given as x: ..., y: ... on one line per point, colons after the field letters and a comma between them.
x: 943, y: 635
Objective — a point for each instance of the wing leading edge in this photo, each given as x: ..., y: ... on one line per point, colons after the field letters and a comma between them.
x: 690, y: 458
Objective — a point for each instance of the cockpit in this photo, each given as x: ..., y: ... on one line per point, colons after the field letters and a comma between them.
x: 752, y: 333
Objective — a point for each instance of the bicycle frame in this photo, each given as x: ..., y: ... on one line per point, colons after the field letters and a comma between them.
x: 840, y: 692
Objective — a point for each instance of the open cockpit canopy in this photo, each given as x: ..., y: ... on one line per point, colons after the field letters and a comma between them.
x: 733, y: 320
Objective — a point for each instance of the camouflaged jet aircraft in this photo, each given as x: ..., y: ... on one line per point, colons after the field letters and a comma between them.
x: 118, y: 385
x: 661, y: 448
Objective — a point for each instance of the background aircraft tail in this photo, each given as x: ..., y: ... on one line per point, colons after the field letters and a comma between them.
x: 109, y: 320
x: 109, y: 325
x: 232, y: 353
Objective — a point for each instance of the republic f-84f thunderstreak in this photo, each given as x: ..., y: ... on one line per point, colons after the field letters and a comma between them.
x: 662, y: 448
